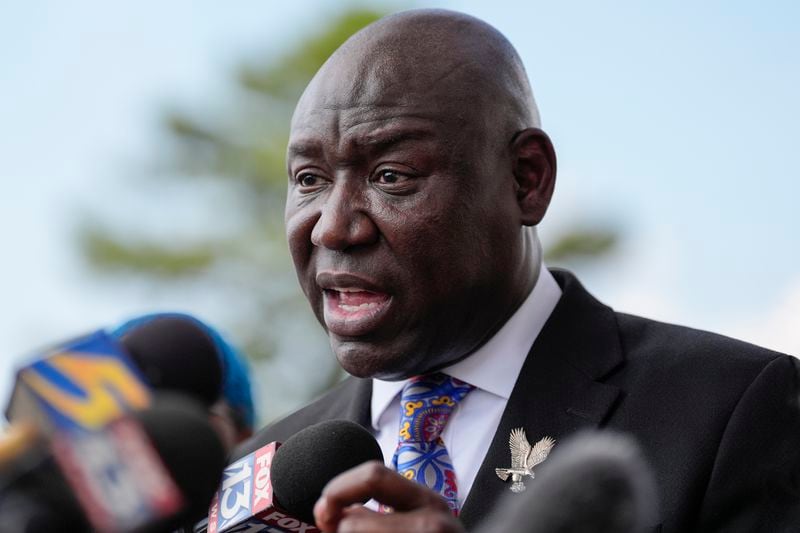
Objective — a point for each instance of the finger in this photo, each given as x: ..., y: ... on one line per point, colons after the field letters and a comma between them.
x: 327, y: 518
x: 330, y: 523
x: 422, y: 521
x: 371, y: 480
x: 374, y: 480
x: 357, y: 509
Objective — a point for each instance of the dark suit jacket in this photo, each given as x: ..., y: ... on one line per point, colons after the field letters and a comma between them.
x: 716, y: 418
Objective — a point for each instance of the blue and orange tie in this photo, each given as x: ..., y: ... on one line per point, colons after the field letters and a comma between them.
x: 425, y: 406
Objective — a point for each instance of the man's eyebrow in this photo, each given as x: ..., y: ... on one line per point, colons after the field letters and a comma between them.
x: 304, y: 149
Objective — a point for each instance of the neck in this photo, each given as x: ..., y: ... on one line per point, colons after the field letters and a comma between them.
x: 531, y: 263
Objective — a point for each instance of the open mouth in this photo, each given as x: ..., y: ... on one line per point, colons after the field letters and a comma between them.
x: 351, y: 311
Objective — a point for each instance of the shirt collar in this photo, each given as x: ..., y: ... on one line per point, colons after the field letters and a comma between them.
x: 495, y: 366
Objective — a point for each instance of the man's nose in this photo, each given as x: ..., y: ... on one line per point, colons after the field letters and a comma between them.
x: 343, y: 222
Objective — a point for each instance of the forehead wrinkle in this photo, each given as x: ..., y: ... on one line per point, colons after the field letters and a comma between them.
x: 389, y: 136
x: 367, y: 112
x: 437, y: 97
x: 406, y: 91
x: 355, y: 147
x: 376, y: 125
x: 310, y: 132
x: 367, y: 122
x: 384, y: 117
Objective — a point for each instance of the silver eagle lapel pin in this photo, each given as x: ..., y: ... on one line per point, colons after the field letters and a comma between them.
x: 523, y: 458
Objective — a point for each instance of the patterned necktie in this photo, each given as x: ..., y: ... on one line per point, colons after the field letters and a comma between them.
x: 425, y: 406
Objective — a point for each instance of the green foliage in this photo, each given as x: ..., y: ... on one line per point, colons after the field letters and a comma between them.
x: 581, y: 243
x: 146, y: 258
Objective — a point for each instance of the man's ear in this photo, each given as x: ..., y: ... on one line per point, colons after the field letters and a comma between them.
x: 534, y: 168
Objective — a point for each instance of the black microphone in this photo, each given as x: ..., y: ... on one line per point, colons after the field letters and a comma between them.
x: 175, y: 354
x: 34, y: 496
x: 274, y: 488
x: 595, y: 481
x: 42, y: 499
x: 190, y: 448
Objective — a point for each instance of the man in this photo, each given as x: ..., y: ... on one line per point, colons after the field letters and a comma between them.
x: 417, y: 176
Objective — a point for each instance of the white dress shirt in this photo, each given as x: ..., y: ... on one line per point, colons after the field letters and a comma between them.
x: 493, y: 370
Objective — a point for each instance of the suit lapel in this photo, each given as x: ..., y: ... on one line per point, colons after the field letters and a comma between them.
x: 558, y: 390
x: 360, y: 395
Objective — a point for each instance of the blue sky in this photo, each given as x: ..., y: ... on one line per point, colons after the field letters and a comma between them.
x: 676, y: 121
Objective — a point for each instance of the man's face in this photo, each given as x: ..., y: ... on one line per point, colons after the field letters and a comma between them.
x: 402, y: 222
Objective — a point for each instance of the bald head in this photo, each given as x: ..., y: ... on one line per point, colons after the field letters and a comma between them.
x: 422, y: 55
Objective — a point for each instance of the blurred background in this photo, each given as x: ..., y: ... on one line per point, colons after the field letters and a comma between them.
x: 142, y: 146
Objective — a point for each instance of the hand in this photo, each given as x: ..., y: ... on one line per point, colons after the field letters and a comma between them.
x: 417, y: 508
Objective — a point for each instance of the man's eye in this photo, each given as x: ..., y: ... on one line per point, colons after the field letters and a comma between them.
x: 307, y: 180
x: 390, y: 176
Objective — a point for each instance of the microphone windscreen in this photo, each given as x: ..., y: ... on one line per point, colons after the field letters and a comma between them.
x: 189, y: 447
x: 39, y: 499
x: 175, y: 354
x: 310, y: 458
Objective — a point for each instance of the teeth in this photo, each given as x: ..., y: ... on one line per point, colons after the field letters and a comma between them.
x: 348, y: 289
x: 352, y: 308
